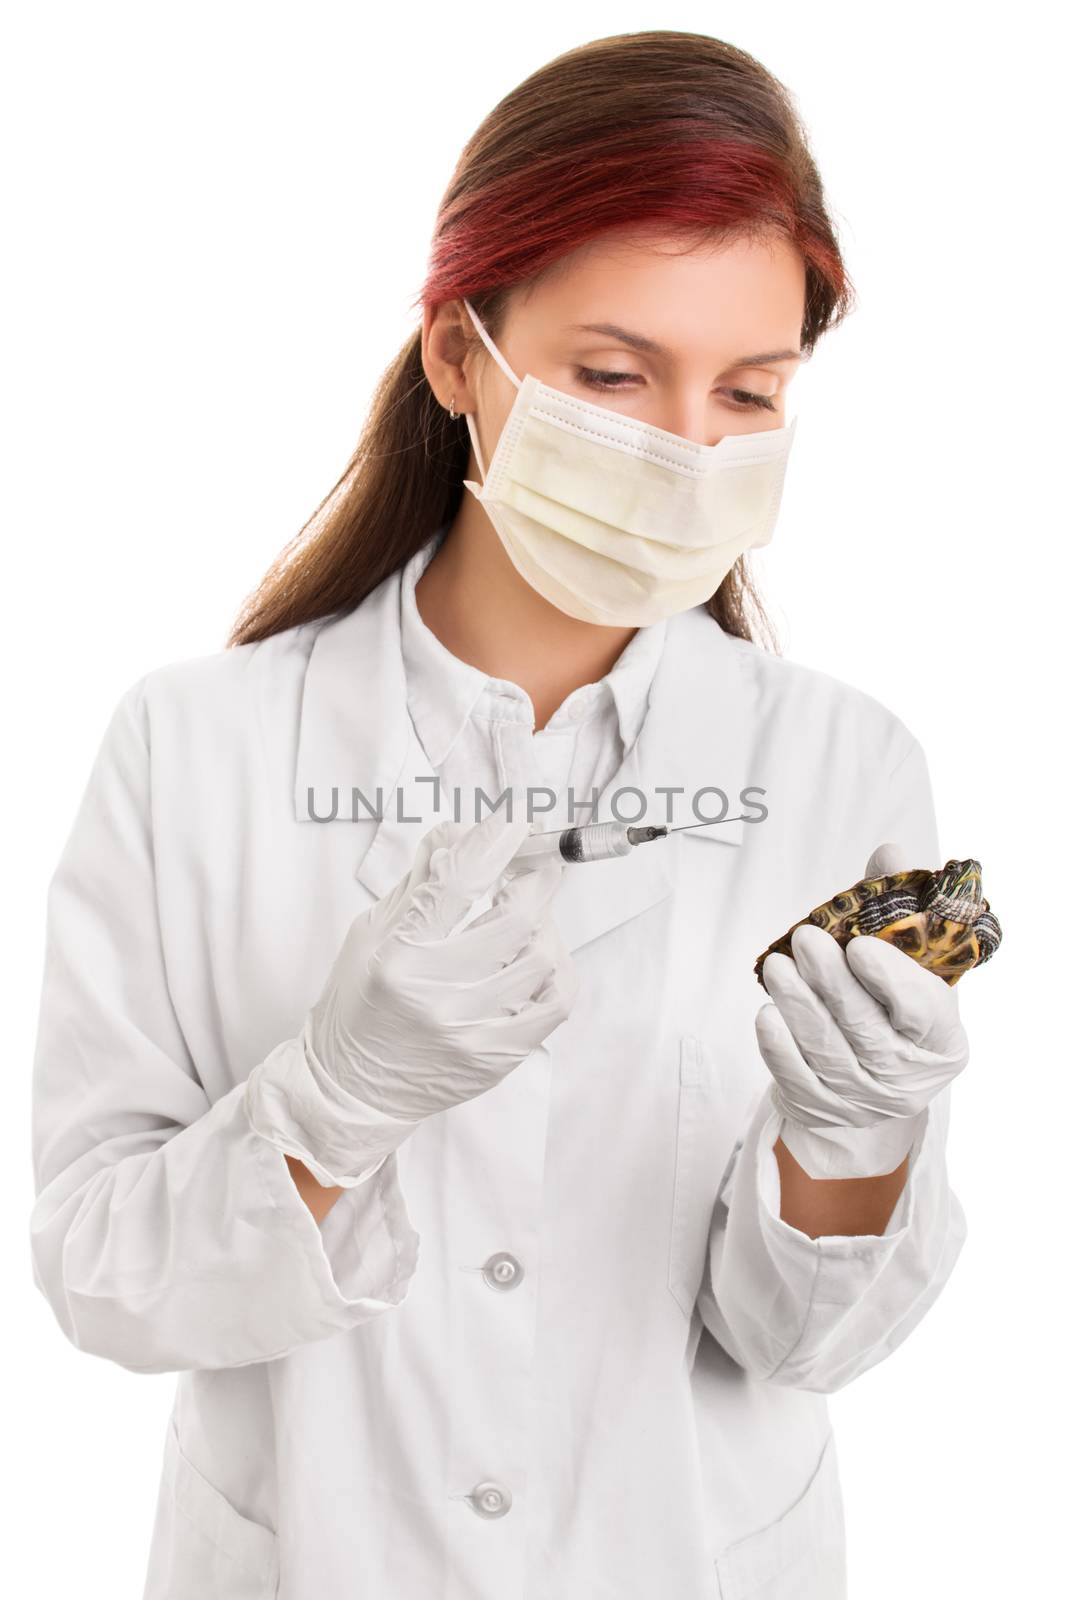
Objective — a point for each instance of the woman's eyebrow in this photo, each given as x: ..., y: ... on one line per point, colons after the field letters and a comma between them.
x: 639, y: 341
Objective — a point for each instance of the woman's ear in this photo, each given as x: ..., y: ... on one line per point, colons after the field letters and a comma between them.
x: 446, y: 343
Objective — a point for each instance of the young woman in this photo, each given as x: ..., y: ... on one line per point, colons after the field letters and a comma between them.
x: 507, y: 1237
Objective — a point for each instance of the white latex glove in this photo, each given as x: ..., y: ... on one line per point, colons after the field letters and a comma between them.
x: 416, y: 1016
x: 859, y: 1040
x: 420, y: 1011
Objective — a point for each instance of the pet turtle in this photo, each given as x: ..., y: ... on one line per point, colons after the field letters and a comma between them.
x: 938, y: 918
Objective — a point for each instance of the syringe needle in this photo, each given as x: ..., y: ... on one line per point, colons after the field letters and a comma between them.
x: 709, y: 824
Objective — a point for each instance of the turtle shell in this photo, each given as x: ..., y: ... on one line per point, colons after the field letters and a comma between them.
x: 938, y: 918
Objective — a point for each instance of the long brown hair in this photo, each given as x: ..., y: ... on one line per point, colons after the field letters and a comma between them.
x: 659, y: 126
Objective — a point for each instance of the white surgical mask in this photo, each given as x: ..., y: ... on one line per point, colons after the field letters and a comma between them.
x: 615, y: 521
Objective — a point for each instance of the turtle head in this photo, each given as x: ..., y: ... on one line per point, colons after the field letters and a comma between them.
x: 955, y: 892
x: 960, y: 880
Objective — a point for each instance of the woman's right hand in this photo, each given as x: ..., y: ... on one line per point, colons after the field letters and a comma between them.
x: 419, y: 1014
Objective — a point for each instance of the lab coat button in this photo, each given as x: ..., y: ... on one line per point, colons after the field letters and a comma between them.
x: 503, y: 1271
x: 491, y: 1499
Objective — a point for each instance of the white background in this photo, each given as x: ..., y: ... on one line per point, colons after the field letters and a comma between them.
x: 218, y: 220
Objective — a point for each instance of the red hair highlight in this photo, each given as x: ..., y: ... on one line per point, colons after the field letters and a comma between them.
x: 524, y: 221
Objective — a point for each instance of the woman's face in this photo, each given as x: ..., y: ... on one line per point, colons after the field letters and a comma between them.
x: 701, y: 343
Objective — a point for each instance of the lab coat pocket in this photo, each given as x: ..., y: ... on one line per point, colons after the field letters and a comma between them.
x: 699, y: 1159
x: 801, y: 1556
x: 201, y: 1544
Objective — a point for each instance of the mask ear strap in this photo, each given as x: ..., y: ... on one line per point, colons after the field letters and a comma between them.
x: 473, y: 431
x: 483, y: 331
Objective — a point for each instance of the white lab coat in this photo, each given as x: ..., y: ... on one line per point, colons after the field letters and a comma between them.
x: 575, y: 1289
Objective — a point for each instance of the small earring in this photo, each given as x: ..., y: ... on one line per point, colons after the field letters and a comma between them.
x: 452, y: 408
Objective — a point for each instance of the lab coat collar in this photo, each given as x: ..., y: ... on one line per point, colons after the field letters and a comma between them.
x: 443, y: 690
x: 356, y: 734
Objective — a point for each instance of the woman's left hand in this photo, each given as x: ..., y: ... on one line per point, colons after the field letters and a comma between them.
x: 859, y: 1039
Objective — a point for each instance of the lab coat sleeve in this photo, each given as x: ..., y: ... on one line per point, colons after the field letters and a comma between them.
x: 815, y: 1313
x: 166, y: 1233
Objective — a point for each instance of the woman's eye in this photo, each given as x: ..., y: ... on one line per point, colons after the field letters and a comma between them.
x: 748, y: 401
x: 742, y: 399
x: 595, y: 379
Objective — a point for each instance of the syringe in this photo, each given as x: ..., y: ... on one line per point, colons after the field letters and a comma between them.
x: 598, y: 841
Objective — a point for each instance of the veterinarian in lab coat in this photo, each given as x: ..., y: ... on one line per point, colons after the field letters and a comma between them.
x: 553, y: 1338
